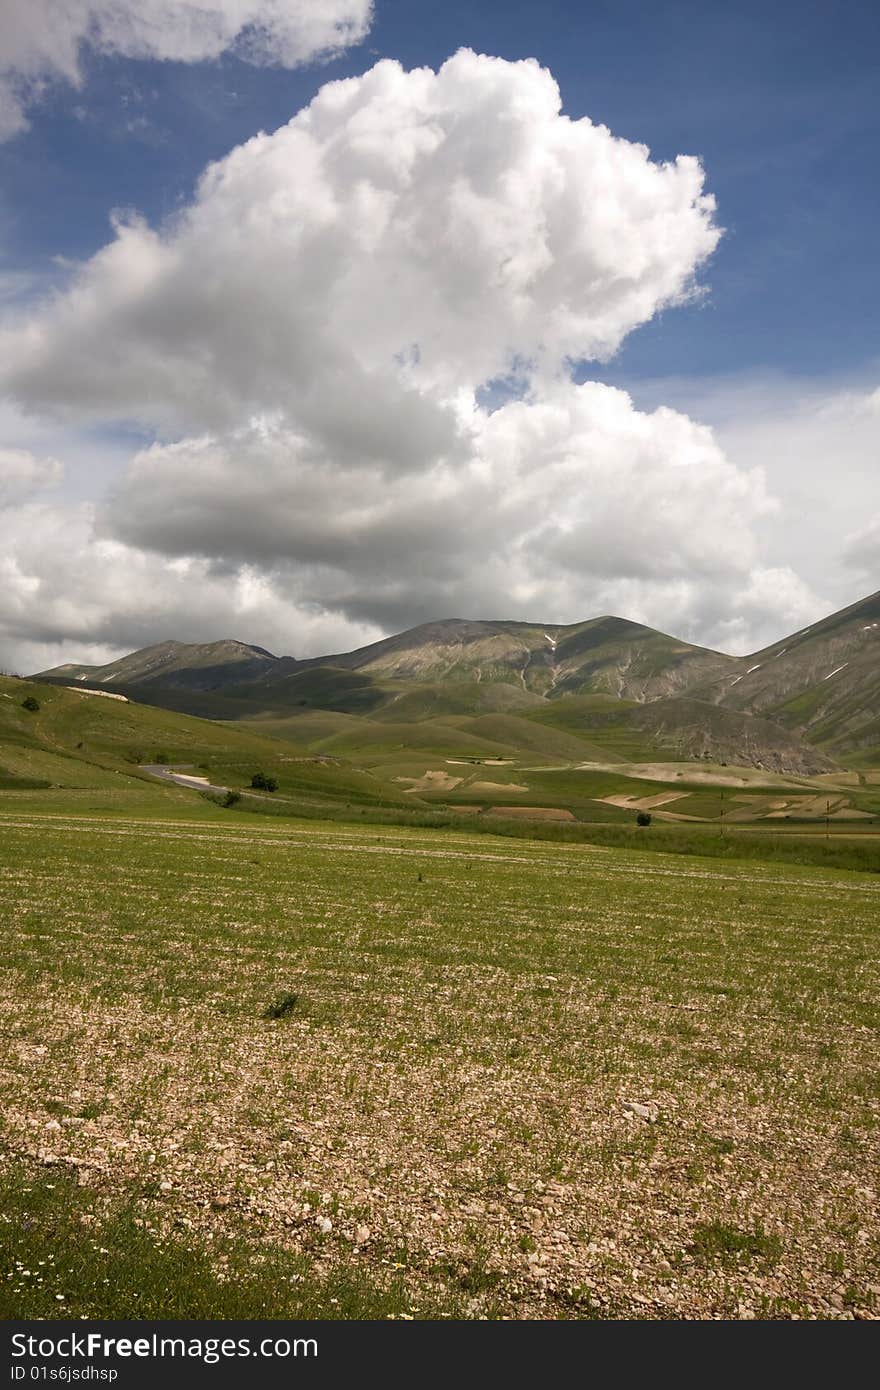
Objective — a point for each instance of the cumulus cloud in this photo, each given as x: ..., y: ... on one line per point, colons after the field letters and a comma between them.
x: 315, y: 343
x: 69, y: 595
x: 817, y: 441
x: 407, y: 236
x: 43, y: 39
x: 555, y: 502
x: 774, y: 602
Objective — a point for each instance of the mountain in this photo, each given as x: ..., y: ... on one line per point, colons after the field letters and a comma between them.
x: 190, y: 666
x: 822, y: 683
x: 800, y: 706
x: 607, y: 655
x: 697, y: 729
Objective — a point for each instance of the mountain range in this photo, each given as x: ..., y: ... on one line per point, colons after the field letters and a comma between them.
x: 806, y: 704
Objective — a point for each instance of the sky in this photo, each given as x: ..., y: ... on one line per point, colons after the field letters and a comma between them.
x: 319, y: 318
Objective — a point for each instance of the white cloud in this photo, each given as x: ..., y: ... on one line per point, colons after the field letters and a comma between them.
x: 862, y: 549
x: 551, y: 507
x: 71, y: 596
x: 564, y: 508
x: 578, y: 479
x: 310, y: 343
x: 406, y: 237
x: 817, y: 441
x: 43, y: 39
x: 22, y: 474
x: 773, y: 603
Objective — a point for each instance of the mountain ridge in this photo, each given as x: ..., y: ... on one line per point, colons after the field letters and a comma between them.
x: 456, y: 648
x: 432, y: 670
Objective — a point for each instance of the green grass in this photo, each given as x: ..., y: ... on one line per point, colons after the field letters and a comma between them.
x: 715, y: 1242
x: 736, y: 845
x: 68, y: 1252
x: 473, y: 1016
x: 86, y: 741
x: 616, y: 829
x: 603, y: 723
x: 345, y: 1001
x: 12, y: 782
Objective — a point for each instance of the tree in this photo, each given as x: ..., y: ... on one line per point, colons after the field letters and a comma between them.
x: 643, y: 818
x: 30, y: 703
x: 263, y: 783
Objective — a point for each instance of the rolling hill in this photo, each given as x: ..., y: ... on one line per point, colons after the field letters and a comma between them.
x: 74, y: 740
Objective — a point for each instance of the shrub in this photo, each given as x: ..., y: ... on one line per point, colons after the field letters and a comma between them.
x: 30, y: 703
x: 262, y: 783
x: 282, y: 1006
x: 161, y: 758
x: 221, y: 798
x: 643, y: 818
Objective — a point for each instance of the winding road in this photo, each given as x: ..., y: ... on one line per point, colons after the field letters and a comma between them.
x: 181, y: 779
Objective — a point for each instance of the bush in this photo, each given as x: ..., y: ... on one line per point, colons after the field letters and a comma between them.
x: 30, y: 703
x: 283, y: 1006
x: 161, y: 758
x: 643, y: 818
x: 262, y: 783
x: 221, y: 798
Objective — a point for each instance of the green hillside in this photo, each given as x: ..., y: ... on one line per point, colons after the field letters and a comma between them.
x: 77, y: 740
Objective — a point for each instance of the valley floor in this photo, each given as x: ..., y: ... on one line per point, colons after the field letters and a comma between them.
x: 276, y: 1067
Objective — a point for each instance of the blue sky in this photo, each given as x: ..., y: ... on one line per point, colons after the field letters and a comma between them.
x: 779, y: 102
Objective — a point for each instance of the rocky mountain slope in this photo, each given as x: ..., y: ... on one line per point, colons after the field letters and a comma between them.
x: 823, y: 682
x: 696, y: 729
x: 608, y: 655
x: 192, y: 666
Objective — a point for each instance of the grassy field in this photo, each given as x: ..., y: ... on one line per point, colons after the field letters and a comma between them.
x: 332, y: 764
x: 273, y: 1067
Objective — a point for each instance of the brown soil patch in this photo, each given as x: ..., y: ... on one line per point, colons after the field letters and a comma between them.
x: 642, y: 803
x: 490, y: 788
x: 439, y: 781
